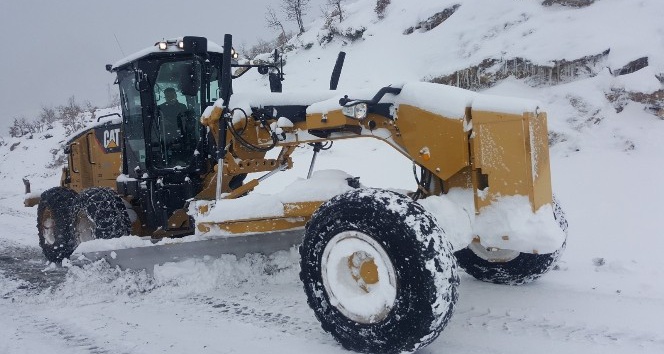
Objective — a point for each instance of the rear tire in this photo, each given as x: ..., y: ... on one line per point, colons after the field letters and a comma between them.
x: 525, y: 268
x: 101, y: 215
x: 55, y: 216
x: 408, y: 298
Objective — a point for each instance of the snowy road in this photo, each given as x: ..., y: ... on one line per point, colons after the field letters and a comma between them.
x: 606, y: 295
x: 601, y: 299
x: 207, y: 307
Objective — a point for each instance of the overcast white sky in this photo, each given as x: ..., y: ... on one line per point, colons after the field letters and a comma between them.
x: 52, y: 50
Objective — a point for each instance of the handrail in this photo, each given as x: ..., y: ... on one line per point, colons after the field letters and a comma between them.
x: 87, y: 140
x: 108, y: 115
x: 71, y: 157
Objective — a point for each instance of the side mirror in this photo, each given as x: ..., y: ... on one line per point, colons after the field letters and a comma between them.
x: 194, y: 45
x: 263, y: 70
x: 275, y: 83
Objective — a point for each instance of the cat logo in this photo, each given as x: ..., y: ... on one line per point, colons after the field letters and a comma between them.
x: 109, y: 138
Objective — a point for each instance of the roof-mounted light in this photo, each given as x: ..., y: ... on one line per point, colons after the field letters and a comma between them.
x: 181, y: 44
x: 234, y: 53
x: 162, y: 45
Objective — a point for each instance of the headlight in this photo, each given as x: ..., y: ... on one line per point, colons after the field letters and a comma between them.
x: 163, y: 45
x: 181, y: 44
x: 357, y: 111
x: 234, y: 54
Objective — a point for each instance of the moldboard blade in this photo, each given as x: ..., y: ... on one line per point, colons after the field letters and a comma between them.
x: 147, y: 257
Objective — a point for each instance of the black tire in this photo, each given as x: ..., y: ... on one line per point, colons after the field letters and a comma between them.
x: 525, y: 268
x: 55, y: 216
x: 421, y: 259
x: 101, y: 214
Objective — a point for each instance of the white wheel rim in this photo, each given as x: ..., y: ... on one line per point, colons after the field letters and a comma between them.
x: 359, y: 277
x: 48, y: 228
x: 494, y: 255
x: 84, y: 227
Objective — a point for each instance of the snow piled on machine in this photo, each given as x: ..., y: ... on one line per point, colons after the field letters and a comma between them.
x: 512, y: 216
x: 322, y: 186
x: 446, y: 101
x: 451, y: 102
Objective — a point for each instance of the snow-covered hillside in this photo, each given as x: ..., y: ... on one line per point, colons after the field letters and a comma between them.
x: 605, y: 126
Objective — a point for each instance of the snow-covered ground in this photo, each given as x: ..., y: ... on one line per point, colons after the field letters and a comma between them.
x: 606, y: 295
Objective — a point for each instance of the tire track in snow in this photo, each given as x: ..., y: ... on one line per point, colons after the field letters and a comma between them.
x: 16, y: 212
x: 72, y: 339
x: 29, y: 326
x: 556, y: 330
x: 293, y: 322
x: 27, y: 264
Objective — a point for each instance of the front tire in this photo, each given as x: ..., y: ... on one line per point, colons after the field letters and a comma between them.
x: 101, y: 215
x: 55, y: 216
x: 522, y: 268
x: 378, y: 272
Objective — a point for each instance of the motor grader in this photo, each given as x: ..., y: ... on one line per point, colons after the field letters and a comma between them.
x: 379, y: 267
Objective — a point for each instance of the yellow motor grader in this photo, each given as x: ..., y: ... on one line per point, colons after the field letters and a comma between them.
x: 379, y: 267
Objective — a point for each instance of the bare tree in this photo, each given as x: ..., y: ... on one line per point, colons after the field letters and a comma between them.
x: 261, y: 47
x: 15, y: 128
x: 337, y: 10
x: 48, y: 115
x: 71, y: 116
x: 39, y: 125
x: 381, y: 6
x: 25, y: 126
x: 90, y: 108
x: 273, y: 22
x: 295, y: 10
x: 20, y: 127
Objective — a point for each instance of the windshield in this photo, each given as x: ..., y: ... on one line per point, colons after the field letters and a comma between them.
x: 175, y: 130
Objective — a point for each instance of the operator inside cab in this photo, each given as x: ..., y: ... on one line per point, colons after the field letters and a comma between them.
x: 172, y: 115
x: 177, y: 130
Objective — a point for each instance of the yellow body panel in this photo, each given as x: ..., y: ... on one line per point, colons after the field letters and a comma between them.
x: 438, y: 143
x: 506, y: 152
x: 512, y: 151
x: 94, y: 159
x: 295, y: 215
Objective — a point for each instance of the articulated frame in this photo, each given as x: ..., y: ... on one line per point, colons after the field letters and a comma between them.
x: 496, y: 154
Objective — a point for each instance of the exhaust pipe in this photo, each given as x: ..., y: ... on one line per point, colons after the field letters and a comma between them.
x: 336, y: 73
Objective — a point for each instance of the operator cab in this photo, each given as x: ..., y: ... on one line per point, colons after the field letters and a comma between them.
x: 163, y: 91
x: 166, y: 152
